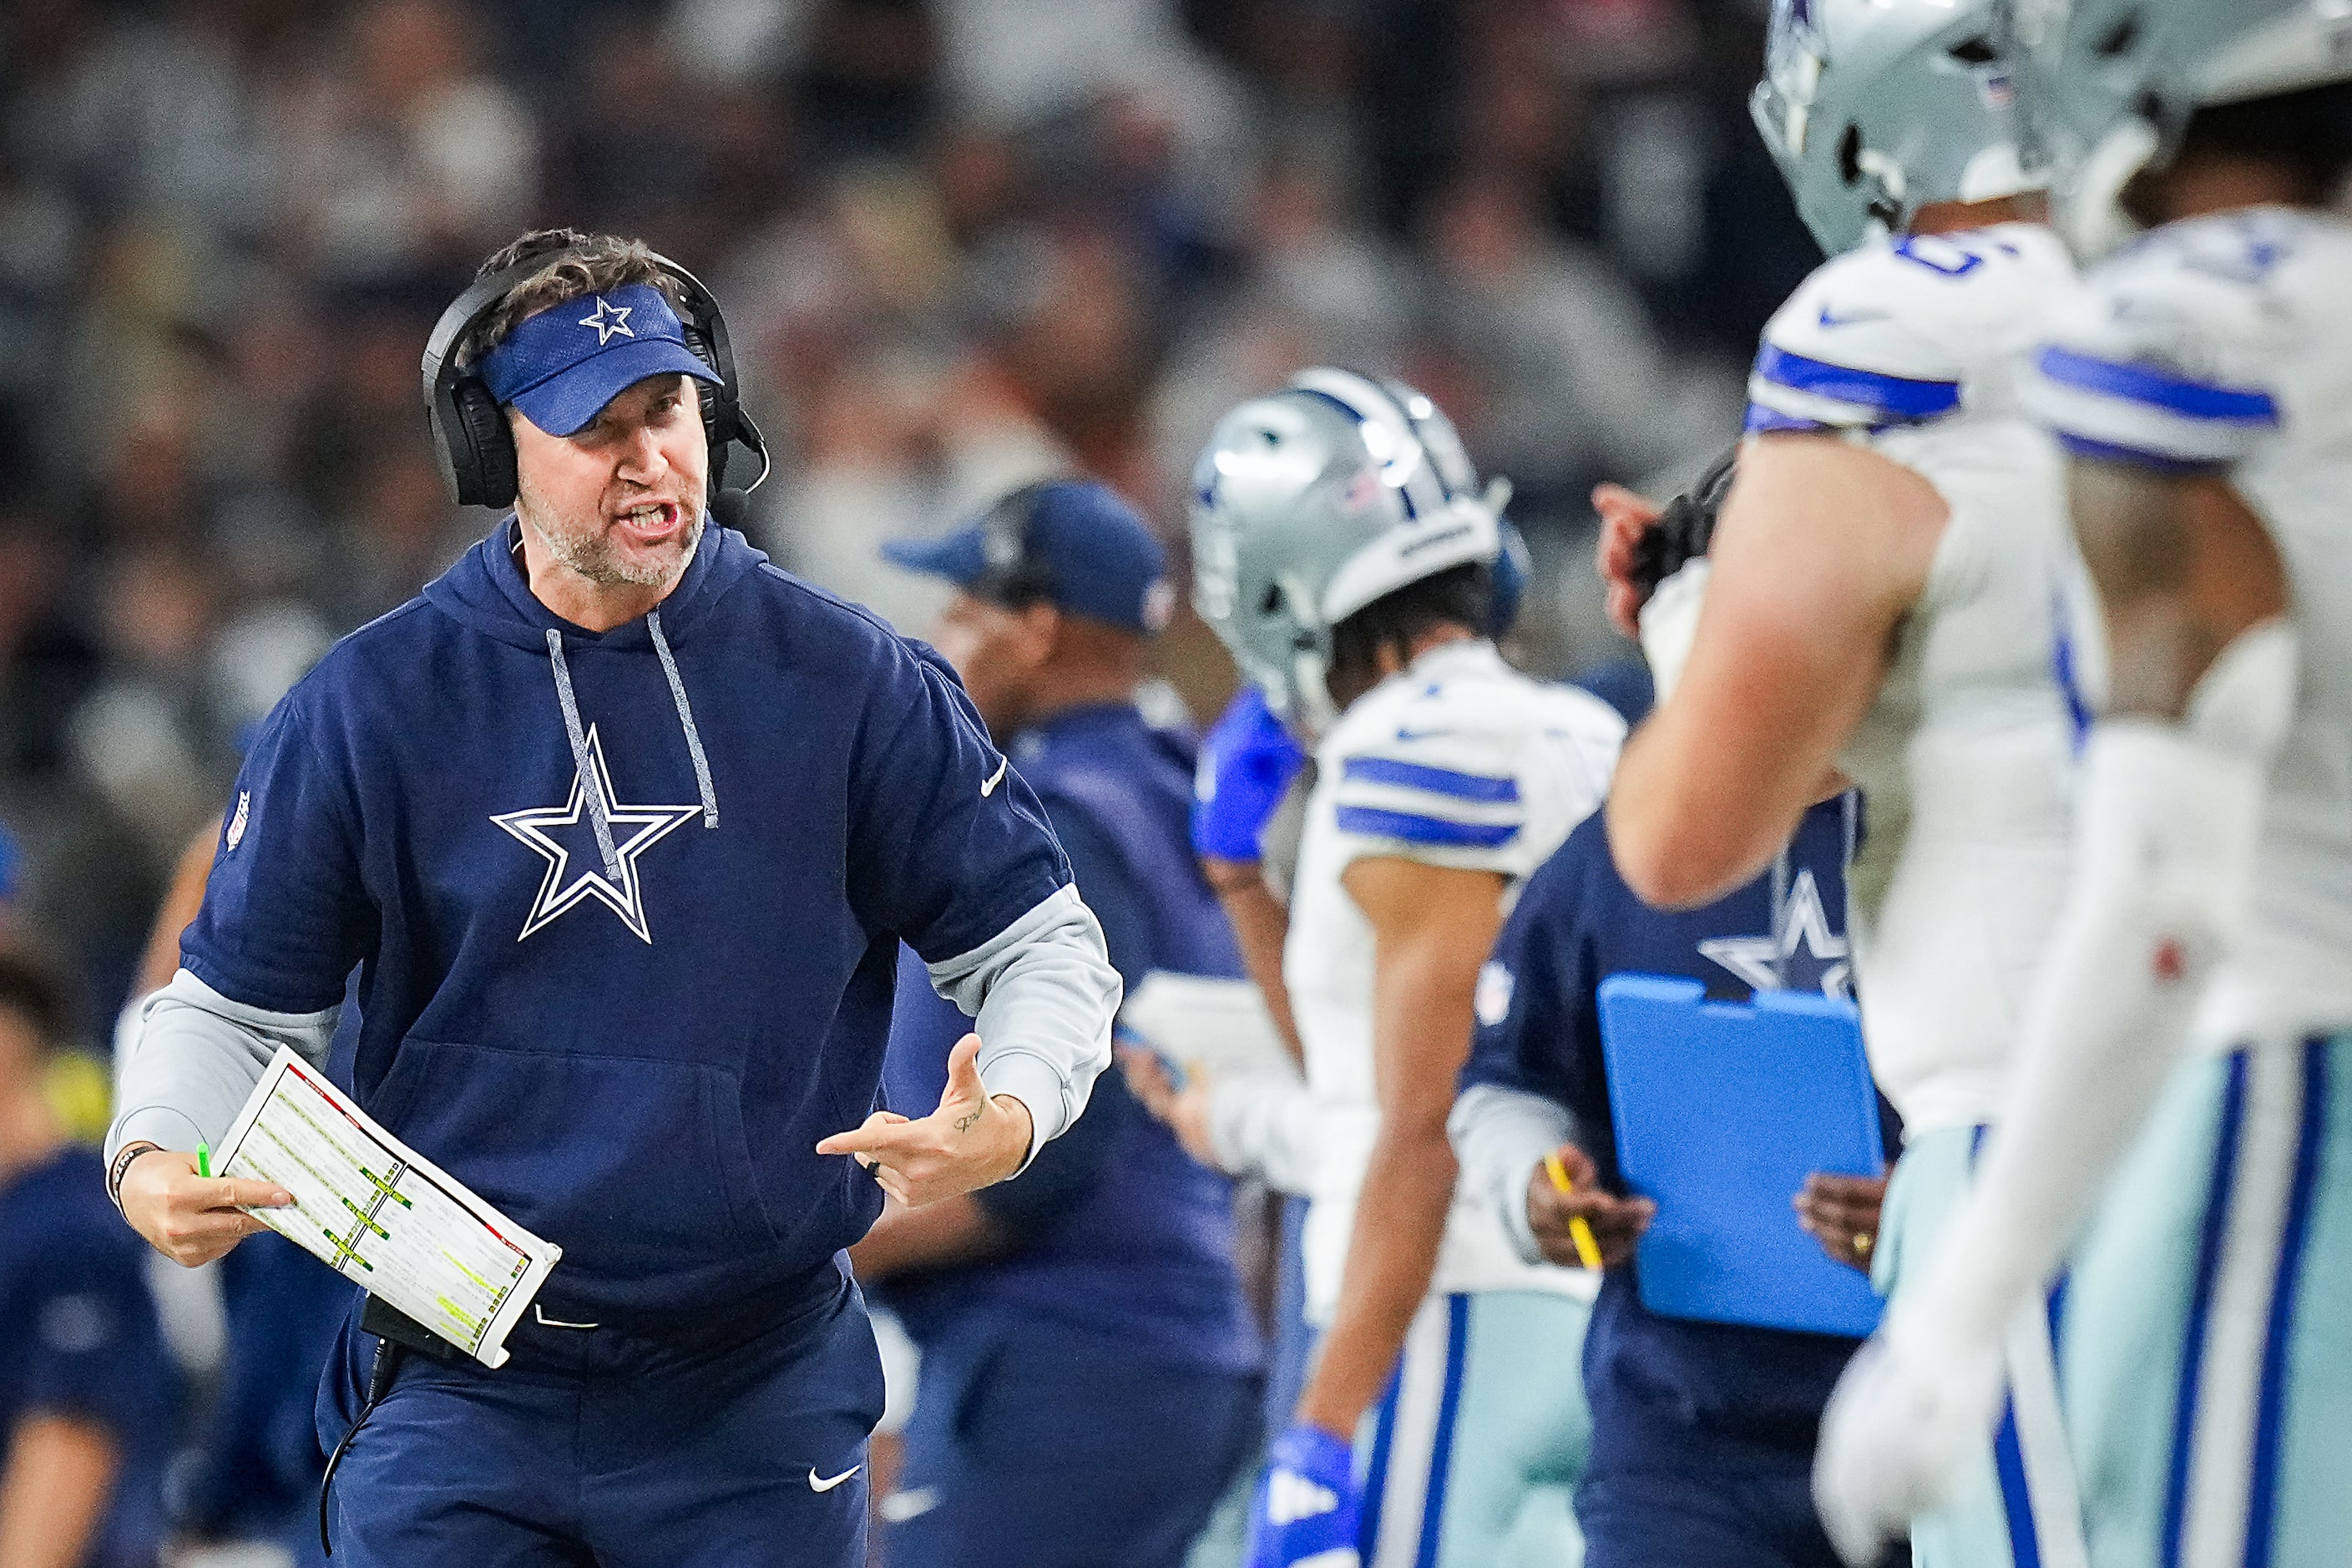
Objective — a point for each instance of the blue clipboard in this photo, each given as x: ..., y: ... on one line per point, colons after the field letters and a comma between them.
x: 1721, y: 1110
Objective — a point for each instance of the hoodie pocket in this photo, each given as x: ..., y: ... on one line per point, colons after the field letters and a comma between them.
x: 636, y: 1166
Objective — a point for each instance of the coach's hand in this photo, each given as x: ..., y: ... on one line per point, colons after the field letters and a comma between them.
x: 188, y: 1218
x: 1617, y: 1223
x: 1841, y: 1214
x: 972, y: 1140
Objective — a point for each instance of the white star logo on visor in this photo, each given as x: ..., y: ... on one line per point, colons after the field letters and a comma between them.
x: 636, y: 830
x: 608, y: 319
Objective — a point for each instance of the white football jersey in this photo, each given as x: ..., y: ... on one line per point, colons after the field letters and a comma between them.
x: 2224, y: 344
x: 1459, y: 761
x: 1918, y: 347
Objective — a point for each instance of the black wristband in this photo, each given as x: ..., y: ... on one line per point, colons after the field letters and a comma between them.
x: 115, y: 1171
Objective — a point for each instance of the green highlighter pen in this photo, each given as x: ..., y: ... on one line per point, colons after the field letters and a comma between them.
x: 205, y: 1160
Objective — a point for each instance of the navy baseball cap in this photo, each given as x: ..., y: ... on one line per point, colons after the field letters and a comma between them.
x: 1072, y: 543
x: 562, y: 364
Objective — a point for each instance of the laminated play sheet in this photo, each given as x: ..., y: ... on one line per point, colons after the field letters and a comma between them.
x: 381, y: 1215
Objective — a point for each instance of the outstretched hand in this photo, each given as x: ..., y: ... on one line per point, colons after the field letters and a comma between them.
x: 972, y: 1140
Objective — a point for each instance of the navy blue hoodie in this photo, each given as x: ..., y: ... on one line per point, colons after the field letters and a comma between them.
x: 636, y: 1066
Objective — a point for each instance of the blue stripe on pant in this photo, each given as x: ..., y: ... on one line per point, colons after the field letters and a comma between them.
x: 2021, y: 1506
x: 2238, y: 1239
x: 2018, y: 1506
x: 2271, y: 1428
x: 1482, y: 1437
x: 2223, y: 1254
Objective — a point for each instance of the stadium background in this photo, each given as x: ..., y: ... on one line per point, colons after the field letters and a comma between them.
x: 961, y: 244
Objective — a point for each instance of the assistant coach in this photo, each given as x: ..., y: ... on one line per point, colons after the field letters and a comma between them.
x: 621, y: 827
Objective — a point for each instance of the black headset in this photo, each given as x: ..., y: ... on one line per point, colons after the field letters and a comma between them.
x: 470, y: 438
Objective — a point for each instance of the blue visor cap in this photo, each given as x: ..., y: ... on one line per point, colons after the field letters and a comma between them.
x: 1083, y: 550
x: 562, y: 364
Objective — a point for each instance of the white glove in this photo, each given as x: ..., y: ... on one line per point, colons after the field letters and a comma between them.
x: 1670, y: 626
x: 1897, y: 1435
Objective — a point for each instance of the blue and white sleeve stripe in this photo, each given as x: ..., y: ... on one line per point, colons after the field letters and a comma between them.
x: 1483, y: 787
x: 2147, y: 416
x: 1417, y: 802
x: 1788, y: 391
x: 1415, y: 828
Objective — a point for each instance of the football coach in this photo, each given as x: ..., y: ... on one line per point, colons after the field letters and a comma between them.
x: 621, y: 827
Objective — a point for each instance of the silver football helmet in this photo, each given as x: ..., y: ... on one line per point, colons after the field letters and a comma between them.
x: 2110, y: 84
x: 1875, y: 109
x: 1311, y: 503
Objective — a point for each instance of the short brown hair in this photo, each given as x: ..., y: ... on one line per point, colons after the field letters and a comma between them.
x: 579, y: 265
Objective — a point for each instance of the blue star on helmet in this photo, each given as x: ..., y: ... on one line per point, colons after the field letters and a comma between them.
x: 608, y: 319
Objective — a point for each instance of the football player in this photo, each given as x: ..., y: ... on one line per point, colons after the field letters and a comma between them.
x: 1343, y: 553
x: 2203, y: 387
x: 1888, y: 591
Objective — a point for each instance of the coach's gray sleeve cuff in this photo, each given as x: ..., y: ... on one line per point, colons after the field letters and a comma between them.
x: 1500, y: 1136
x: 1041, y: 995
x: 196, y: 1060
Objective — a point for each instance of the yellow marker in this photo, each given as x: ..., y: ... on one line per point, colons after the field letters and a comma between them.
x: 1588, y: 1250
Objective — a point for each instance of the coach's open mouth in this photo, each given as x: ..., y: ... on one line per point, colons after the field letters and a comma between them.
x: 652, y: 521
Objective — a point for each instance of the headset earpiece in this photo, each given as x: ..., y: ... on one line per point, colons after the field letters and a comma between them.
x: 482, y: 425
x: 471, y: 442
x: 717, y: 410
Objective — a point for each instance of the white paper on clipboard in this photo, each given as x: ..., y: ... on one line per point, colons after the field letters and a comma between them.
x: 381, y: 1215
x: 1221, y: 1026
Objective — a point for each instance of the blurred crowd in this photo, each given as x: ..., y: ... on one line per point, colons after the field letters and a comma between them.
x: 961, y: 244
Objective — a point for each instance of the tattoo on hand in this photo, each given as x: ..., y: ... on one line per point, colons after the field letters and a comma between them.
x: 963, y: 1123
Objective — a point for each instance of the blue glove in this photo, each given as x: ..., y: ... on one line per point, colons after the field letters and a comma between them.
x: 1307, y: 1504
x: 1247, y: 761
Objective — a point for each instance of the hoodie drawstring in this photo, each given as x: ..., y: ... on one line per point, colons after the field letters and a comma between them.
x: 591, y: 787
x: 686, y: 721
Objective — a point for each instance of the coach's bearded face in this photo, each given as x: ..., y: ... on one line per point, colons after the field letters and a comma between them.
x: 620, y: 500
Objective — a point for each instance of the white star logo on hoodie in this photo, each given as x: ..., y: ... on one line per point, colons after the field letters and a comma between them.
x: 636, y: 830
x: 1804, y: 955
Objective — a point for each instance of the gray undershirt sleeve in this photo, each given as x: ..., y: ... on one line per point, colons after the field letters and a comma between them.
x: 1500, y: 1136
x: 1041, y: 995
x: 1266, y: 1127
x: 197, y: 1057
